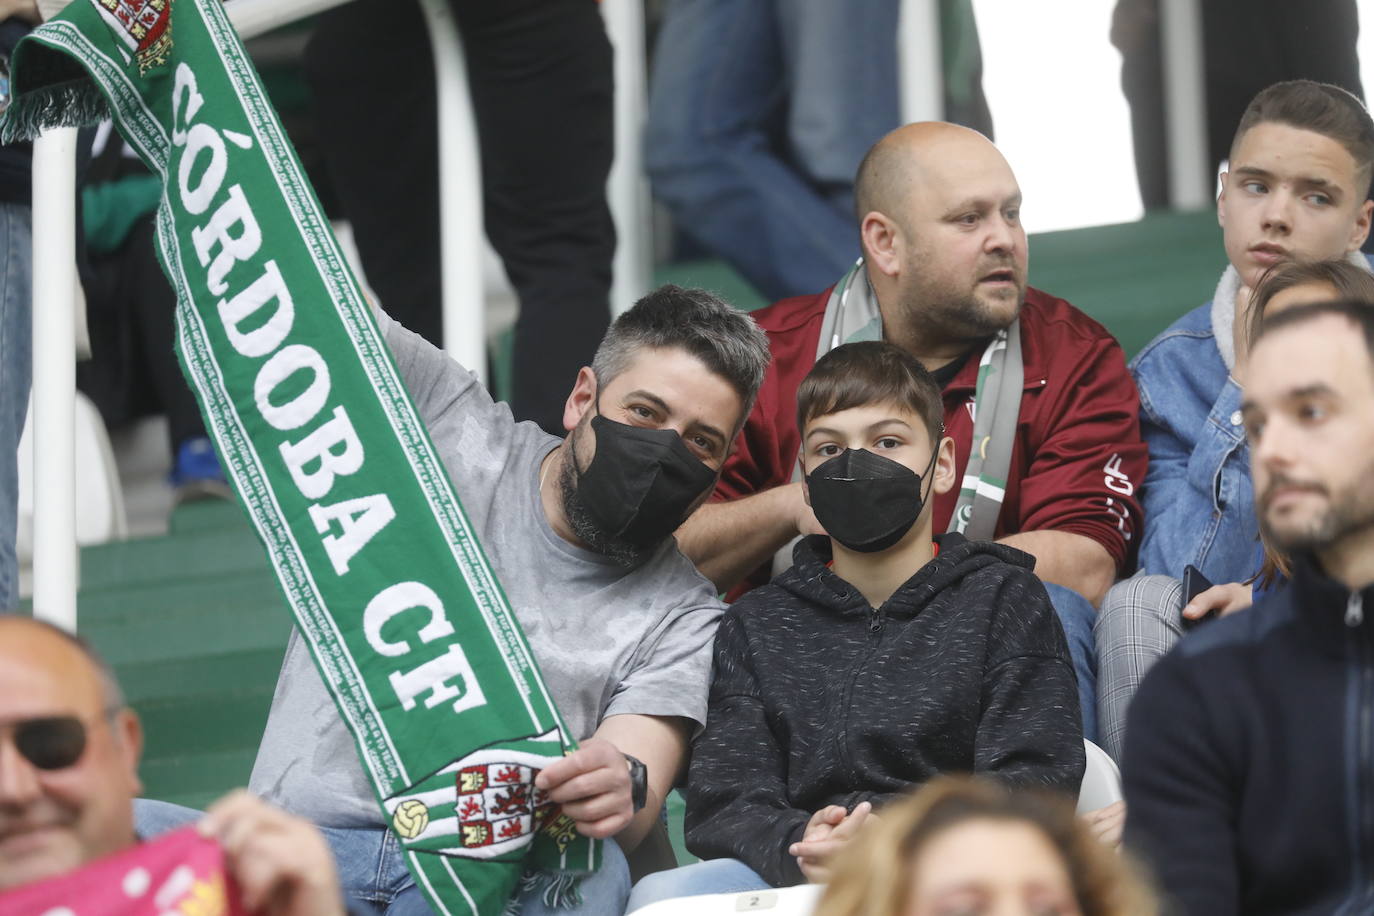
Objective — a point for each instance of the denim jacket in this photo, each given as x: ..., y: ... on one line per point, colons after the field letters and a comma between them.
x: 1198, y: 497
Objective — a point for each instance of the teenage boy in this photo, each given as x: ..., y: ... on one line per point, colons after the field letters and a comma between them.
x: 1295, y: 189
x: 879, y: 659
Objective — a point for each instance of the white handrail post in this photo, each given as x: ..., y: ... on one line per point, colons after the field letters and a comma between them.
x: 460, y: 195
x: 921, y: 61
x: 628, y: 189
x: 1192, y: 180
x: 54, y: 377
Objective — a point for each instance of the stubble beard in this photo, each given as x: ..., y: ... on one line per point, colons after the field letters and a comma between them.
x: 583, y: 522
x: 938, y: 315
x: 1348, y: 513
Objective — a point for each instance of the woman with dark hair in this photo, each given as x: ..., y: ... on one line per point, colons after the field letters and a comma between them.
x: 970, y: 846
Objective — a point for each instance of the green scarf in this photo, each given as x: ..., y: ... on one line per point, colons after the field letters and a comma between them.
x: 404, y: 617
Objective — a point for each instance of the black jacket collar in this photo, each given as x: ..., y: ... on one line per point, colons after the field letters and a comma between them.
x: 811, y: 578
x: 1330, y: 611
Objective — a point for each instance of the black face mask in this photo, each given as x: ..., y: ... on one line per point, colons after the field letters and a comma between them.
x: 865, y: 501
x: 641, y: 482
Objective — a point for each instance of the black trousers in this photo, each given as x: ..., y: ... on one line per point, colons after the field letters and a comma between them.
x: 540, y: 75
x: 131, y: 313
x: 1248, y: 45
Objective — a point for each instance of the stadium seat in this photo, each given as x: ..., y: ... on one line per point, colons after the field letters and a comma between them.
x: 787, y: 901
x: 1101, y: 780
x: 100, y: 513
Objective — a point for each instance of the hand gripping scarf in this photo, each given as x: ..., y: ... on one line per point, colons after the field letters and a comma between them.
x: 403, y: 615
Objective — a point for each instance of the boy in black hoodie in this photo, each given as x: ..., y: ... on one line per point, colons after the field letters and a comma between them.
x: 849, y: 680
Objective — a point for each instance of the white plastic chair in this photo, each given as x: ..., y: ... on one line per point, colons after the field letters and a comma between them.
x: 1101, y: 780
x: 100, y: 515
x: 787, y: 901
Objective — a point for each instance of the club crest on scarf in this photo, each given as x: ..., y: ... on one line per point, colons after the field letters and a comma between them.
x: 145, y: 26
x: 482, y: 805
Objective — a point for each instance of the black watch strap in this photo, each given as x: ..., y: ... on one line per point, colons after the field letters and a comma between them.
x: 639, y: 782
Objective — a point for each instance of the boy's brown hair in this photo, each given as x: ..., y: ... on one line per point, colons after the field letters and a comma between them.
x: 870, y: 372
x: 1321, y: 108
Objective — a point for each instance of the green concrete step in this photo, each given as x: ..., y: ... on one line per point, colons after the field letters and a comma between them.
x: 208, y: 515
x: 194, y: 677
x: 200, y: 597
x: 195, y: 778
x: 230, y: 720
x: 185, y: 620
x: 1135, y: 278
x: 202, y: 553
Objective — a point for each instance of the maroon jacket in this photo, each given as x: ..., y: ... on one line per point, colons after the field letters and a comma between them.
x: 1078, y: 456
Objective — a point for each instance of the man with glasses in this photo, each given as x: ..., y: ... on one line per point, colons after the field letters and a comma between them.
x: 69, y: 750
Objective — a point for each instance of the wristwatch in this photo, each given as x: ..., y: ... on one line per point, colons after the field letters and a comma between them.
x: 639, y: 782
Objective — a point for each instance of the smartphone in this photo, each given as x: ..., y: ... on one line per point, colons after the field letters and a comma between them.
x: 1194, y: 584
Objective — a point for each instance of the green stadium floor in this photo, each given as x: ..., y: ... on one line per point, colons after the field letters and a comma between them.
x: 195, y: 625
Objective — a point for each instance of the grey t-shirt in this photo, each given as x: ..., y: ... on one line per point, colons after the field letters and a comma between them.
x: 608, y: 640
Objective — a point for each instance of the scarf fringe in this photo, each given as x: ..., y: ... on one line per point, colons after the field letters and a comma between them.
x: 72, y: 104
x: 557, y: 891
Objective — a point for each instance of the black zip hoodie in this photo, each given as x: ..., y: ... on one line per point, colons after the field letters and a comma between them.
x: 817, y: 699
x: 1248, y: 768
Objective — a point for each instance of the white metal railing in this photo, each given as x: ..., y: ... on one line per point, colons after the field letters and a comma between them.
x: 54, y: 377
x: 55, y: 559
x: 628, y: 187
x: 920, y: 61
x: 461, y: 242
x: 1192, y: 179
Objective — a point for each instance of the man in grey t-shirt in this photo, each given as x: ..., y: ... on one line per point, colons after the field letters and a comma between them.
x: 579, y: 532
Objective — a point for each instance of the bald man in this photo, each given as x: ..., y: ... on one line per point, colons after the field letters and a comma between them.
x: 943, y: 274
x: 69, y: 750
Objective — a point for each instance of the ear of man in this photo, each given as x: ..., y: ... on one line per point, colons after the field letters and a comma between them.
x: 128, y: 733
x: 1360, y: 231
x: 881, y: 237
x: 580, y: 399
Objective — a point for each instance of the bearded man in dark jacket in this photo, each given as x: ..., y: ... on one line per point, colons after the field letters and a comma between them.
x: 1249, y: 759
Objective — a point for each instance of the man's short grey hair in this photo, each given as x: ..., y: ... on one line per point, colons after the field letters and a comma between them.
x: 113, y: 695
x: 726, y: 340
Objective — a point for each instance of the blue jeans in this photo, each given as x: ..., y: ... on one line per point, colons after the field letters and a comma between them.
x: 16, y: 365
x: 726, y: 72
x: 372, y: 871
x: 1077, y: 616
x: 715, y: 876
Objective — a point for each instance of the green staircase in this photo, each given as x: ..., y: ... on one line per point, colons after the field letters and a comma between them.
x: 195, y: 627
